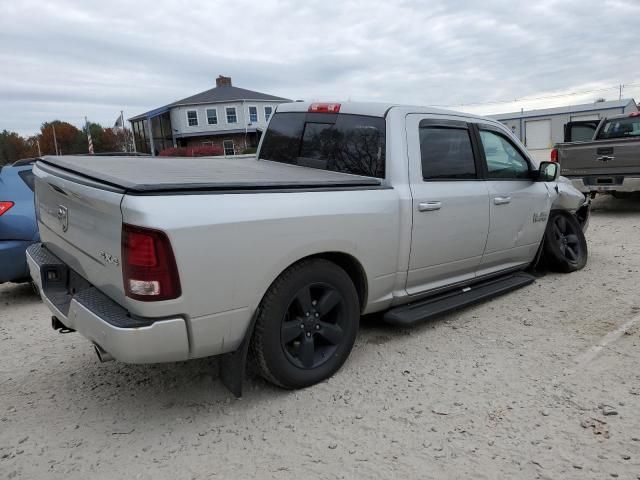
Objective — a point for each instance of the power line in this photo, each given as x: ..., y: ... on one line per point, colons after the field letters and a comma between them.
x: 545, y: 97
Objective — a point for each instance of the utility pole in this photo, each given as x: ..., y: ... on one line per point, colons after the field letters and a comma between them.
x: 55, y: 140
x: 620, y: 96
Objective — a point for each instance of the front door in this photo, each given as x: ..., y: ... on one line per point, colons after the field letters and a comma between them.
x: 450, y: 203
x: 519, y: 205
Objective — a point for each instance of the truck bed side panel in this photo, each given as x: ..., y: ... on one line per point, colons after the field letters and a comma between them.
x: 230, y: 247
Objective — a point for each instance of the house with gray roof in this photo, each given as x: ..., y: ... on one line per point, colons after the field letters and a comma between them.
x: 228, y: 116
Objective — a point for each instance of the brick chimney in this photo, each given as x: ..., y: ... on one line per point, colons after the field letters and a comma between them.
x: 223, y: 81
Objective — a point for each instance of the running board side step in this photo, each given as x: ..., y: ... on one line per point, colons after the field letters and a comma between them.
x: 410, y: 314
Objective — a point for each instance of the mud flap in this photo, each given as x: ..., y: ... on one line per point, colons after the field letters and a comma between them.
x: 533, y: 266
x: 233, y: 365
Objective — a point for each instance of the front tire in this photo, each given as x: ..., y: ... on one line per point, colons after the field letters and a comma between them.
x: 565, y: 247
x: 307, y: 324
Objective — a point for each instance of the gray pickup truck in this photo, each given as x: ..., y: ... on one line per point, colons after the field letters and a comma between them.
x: 609, y: 162
x: 347, y: 209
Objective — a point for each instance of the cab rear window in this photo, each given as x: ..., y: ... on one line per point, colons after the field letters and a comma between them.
x: 620, y: 128
x: 344, y: 143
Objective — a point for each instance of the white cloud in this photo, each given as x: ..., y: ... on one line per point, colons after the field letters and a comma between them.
x: 67, y: 59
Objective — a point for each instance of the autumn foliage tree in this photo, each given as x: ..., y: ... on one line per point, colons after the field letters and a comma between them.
x: 70, y: 141
x: 68, y: 138
x: 14, y: 147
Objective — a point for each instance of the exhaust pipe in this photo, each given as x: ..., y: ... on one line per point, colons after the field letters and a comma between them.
x: 102, y: 355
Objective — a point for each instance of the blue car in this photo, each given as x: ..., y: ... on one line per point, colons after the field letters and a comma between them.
x: 18, y: 226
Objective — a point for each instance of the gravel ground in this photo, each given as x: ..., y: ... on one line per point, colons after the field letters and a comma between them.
x: 512, y: 388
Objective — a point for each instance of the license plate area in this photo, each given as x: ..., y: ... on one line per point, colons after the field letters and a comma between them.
x: 604, y: 181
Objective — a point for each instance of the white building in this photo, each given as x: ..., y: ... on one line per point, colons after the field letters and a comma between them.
x: 227, y: 116
x: 540, y: 130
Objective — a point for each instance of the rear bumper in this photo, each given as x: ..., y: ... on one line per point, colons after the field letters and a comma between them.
x: 13, y: 262
x: 618, y: 183
x: 81, y: 307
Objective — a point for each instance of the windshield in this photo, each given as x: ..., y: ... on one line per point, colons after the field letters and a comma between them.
x: 620, y: 128
x: 352, y: 144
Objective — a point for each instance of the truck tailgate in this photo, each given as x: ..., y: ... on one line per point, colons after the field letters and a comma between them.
x: 604, y: 157
x: 81, y: 223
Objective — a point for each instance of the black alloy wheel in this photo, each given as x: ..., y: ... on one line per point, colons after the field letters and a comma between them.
x: 313, y: 325
x: 565, y: 247
x: 567, y: 238
x: 306, y: 325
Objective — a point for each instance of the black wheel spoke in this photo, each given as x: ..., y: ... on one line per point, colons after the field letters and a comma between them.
x: 307, y: 351
x: 572, y: 239
x: 291, y: 331
x: 570, y: 254
x: 331, y: 332
x: 557, y: 232
x: 304, y: 300
x: 328, y: 302
x: 561, y: 223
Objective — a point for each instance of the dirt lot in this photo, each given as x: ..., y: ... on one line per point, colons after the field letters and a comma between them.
x: 541, y: 383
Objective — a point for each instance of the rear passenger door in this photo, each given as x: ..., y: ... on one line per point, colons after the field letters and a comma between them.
x: 450, y: 203
x: 519, y: 205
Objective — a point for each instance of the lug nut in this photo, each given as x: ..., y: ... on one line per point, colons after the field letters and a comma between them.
x: 308, y: 334
x: 306, y: 314
x: 317, y: 326
x: 302, y: 325
x: 314, y: 303
x: 316, y: 315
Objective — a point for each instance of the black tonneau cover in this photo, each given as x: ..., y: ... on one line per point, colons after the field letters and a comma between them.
x: 165, y: 174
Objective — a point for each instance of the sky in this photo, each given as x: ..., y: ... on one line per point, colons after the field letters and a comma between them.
x: 65, y: 59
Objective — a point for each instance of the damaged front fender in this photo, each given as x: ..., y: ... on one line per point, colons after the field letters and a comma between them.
x: 570, y: 199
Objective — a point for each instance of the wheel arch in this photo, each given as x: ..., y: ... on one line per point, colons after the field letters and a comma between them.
x: 350, y: 264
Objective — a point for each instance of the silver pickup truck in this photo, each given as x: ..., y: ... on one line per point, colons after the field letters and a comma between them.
x: 348, y: 209
x: 607, y: 163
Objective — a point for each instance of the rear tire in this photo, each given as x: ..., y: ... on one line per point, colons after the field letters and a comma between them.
x: 565, y: 247
x: 306, y: 325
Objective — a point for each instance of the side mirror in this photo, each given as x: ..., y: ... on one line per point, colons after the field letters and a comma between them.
x: 548, y: 172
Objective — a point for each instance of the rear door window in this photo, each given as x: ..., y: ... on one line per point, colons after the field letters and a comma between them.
x: 446, y: 154
x: 344, y: 143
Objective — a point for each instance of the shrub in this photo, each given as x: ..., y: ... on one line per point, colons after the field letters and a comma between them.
x: 201, y: 151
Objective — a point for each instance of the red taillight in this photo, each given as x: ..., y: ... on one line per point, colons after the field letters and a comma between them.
x: 324, y: 108
x: 554, y: 155
x: 634, y: 114
x: 5, y: 206
x: 142, y: 250
x: 149, y: 267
